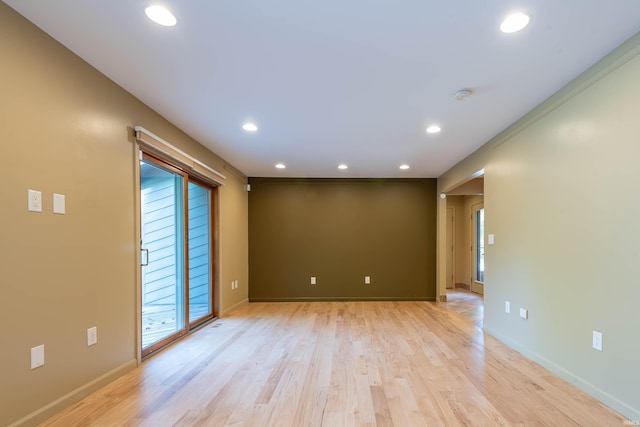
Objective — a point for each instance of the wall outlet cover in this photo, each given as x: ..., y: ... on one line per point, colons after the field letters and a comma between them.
x: 37, y: 356
x: 59, y: 204
x: 35, y: 201
x: 597, y: 340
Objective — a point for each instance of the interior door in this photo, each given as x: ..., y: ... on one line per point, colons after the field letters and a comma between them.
x: 450, y: 246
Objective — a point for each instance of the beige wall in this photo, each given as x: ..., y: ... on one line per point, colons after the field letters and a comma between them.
x: 65, y: 128
x: 565, y: 248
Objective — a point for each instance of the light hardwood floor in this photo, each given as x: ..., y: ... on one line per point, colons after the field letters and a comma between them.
x: 339, y: 364
x: 467, y: 304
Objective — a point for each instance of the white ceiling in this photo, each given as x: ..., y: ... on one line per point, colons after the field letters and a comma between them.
x: 339, y: 81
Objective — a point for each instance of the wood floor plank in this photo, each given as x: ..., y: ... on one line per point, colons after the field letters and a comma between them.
x: 339, y: 364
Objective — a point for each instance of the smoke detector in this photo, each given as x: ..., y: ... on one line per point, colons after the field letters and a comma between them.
x: 462, y: 94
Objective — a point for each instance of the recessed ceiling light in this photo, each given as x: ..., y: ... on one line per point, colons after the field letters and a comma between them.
x: 161, y: 15
x: 343, y: 166
x: 280, y: 166
x: 514, y: 22
x: 433, y: 129
x: 249, y: 127
x: 404, y: 167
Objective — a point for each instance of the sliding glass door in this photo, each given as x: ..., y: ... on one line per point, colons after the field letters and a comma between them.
x: 176, y: 253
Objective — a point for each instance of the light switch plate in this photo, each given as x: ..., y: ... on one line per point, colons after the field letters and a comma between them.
x: 59, y: 204
x: 313, y: 280
x: 524, y: 313
x: 367, y: 280
x: 507, y: 307
x: 37, y: 356
x: 491, y: 239
x: 92, y: 336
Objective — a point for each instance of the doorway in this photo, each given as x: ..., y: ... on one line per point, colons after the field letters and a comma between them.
x: 177, y: 256
x: 464, y: 249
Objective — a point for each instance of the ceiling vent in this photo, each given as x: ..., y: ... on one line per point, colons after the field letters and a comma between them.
x: 462, y: 94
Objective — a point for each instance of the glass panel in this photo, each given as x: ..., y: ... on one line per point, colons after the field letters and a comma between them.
x: 199, y: 251
x: 162, y: 210
x: 480, y: 245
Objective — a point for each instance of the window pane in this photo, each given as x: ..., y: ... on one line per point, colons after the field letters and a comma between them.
x: 163, y: 242
x: 199, y: 251
x: 480, y: 245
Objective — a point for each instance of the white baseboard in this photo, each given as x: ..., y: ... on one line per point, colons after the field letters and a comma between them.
x: 612, y: 402
x: 234, y: 307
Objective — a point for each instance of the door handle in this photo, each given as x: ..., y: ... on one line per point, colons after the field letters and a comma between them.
x: 146, y: 258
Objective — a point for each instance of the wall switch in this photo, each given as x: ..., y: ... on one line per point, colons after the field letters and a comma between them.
x: 35, y: 201
x: 37, y: 356
x: 367, y: 280
x: 524, y: 313
x: 491, y: 239
x: 507, y: 307
x: 597, y: 340
x: 59, y: 204
x: 236, y: 284
x: 92, y: 336
x: 313, y: 280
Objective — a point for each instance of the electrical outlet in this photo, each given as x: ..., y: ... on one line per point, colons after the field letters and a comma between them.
x: 507, y: 307
x: 313, y: 280
x: 37, y: 356
x: 35, y: 201
x: 367, y: 280
x: 597, y: 340
x: 92, y: 336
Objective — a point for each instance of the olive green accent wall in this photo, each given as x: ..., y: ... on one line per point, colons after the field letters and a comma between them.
x: 341, y: 230
x: 65, y: 128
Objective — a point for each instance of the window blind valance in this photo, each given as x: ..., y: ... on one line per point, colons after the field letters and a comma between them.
x: 161, y: 147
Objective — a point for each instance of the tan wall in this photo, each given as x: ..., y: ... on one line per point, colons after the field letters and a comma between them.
x: 65, y: 128
x: 563, y: 248
x: 339, y: 231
